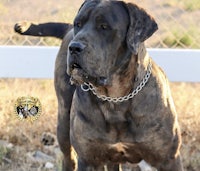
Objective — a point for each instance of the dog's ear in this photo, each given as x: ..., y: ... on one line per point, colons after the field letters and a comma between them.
x: 141, y: 27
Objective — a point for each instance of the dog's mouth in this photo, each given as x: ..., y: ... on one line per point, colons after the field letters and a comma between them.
x: 75, y: 66
x: 80, y: 75
x: 77, y: 74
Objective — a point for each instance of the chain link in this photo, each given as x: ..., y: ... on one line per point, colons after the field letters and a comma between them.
x: 90, y: 87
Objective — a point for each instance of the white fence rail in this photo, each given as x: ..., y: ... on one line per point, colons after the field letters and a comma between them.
x: 38, y: 62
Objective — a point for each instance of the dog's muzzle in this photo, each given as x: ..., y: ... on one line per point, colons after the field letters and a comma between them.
x: 75, y: 69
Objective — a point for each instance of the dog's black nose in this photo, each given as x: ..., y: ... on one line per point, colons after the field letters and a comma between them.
x: 76, y: 47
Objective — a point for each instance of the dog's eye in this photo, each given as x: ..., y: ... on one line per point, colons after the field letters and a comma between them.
x: 77, y: 24
x: 104, y: 26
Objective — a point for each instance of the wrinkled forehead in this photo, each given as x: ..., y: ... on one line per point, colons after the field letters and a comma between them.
x: 112, y: 11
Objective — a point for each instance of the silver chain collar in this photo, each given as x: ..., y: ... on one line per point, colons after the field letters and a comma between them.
x: 124, y: 98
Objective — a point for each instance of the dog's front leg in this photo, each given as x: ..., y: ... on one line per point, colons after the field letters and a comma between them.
x: 64, y: 139
x: 64, y: 93
x: 63, y: 128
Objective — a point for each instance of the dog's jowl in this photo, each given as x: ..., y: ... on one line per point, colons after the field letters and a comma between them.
x: 114, y: 103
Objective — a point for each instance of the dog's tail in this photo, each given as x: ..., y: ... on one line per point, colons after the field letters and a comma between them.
x: 58, y: 30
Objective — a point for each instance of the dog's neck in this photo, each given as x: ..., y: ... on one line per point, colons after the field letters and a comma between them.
x: 123, y: 84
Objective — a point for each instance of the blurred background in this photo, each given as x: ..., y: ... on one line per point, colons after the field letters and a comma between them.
x: 28, y: 146
x: 179, y: 21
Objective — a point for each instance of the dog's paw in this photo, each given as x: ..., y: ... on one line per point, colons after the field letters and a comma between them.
x: 48, y: 138
x: 22, y: 27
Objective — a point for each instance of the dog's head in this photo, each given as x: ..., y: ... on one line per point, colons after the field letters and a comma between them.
x: 106, y: 35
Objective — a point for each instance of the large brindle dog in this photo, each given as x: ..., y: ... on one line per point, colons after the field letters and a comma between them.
x: 119, y: 109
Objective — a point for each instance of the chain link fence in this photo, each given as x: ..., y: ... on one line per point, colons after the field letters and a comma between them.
x: 178, y: 21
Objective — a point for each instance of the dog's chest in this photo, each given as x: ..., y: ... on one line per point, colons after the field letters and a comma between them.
x: 117, y: 119
x: 110, y: 130
x: 113, y: 113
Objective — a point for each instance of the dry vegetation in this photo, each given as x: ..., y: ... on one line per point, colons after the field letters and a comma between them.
x: 24, y: 135
x: 27, y: 135
x: 11, y: 127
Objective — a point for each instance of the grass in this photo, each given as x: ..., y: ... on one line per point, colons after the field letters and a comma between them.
x: 182, y: 38
x: 188, y: 5
x: 27, y: 135
x: 3, y: 152
x: 26, y: 132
